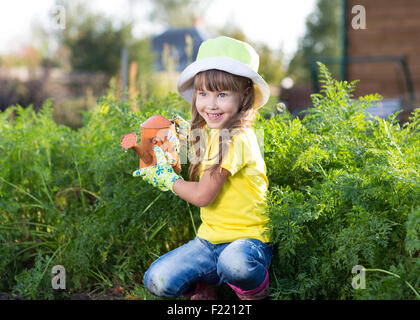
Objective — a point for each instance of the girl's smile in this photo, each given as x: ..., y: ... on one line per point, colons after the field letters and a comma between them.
x: 214, y: 116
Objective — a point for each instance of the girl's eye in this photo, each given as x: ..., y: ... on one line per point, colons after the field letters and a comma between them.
x: 222, y: 95
x: 203, y: 94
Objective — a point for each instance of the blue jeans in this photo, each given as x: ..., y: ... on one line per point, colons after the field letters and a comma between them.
x: 242, y: 263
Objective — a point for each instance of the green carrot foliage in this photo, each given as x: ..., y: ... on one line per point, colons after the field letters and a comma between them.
x: 344, y: 191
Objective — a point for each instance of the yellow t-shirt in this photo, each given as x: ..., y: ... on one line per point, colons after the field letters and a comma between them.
x: 238, y: 210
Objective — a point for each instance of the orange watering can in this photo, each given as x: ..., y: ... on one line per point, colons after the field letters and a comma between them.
x: 157, y: 130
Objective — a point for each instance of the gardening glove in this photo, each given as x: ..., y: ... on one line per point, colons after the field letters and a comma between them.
x: 161, y: 175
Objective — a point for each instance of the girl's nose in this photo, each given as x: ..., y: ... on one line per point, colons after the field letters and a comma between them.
x: 213, y: 102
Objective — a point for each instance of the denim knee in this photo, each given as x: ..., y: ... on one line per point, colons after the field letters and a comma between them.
x: 244, y: 263
x: 235, y: 265
x: 161, y: 283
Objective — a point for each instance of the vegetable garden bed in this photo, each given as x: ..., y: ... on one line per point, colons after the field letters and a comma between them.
x: 344, y: 191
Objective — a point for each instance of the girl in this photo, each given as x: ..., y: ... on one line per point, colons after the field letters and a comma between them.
x: 231, y: 245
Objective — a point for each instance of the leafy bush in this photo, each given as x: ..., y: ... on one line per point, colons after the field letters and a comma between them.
x: 71, y: 194
x: 344, y: 191
x: 35, y: 283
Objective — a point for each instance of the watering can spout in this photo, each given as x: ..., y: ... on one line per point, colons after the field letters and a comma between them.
x: 129, y: 141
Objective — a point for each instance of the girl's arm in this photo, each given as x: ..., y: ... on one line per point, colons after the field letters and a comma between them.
x: 202, y: 193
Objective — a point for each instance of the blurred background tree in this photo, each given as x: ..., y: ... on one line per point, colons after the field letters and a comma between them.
x: 93, y: 40
x: 321, y: 39
x: 272, y: 65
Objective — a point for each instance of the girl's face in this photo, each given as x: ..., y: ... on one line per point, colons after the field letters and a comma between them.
x: 217, y: 107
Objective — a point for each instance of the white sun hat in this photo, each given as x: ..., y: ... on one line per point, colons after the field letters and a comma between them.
x: 230, y: 55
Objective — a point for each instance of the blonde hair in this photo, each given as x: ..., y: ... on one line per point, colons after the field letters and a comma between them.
x: 217, y: 80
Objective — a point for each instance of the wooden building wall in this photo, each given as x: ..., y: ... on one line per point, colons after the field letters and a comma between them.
x: 392, y: 29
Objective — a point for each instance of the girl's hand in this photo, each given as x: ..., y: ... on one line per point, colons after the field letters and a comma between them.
x: 161, y: 175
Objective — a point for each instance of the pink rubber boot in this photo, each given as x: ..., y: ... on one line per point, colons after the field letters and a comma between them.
x: 202, y: 291
x: 259, y: 293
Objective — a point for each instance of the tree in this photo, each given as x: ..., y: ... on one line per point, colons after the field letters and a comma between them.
x: 271, y: 63
x: 94, y: 43
x: 321, y: 39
